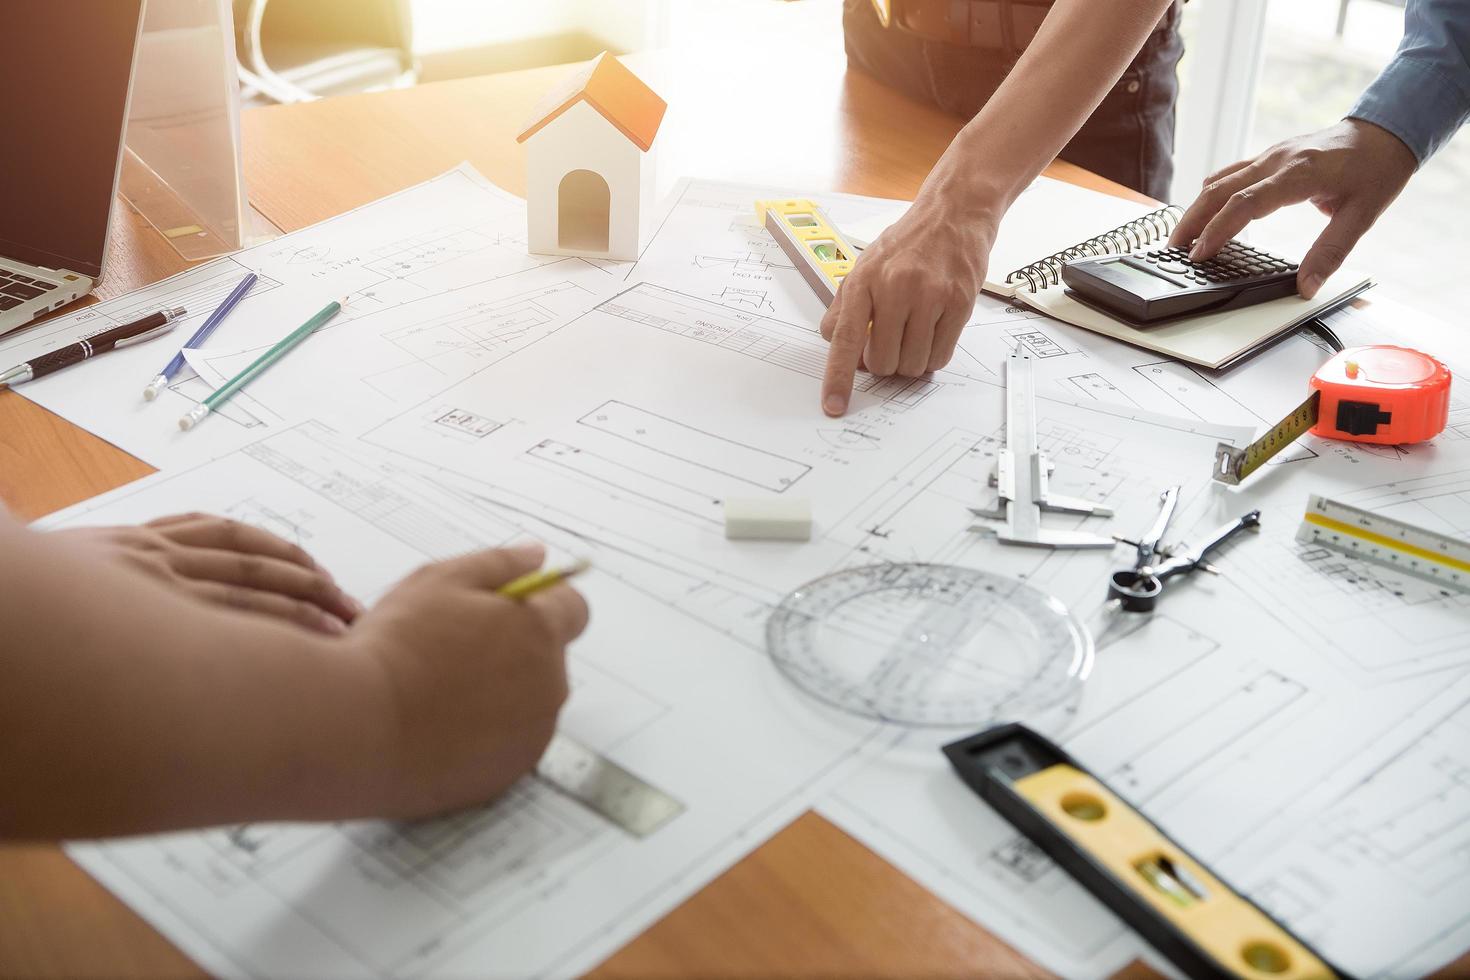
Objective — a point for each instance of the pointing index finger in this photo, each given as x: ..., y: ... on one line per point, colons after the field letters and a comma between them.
x: 849, y: 336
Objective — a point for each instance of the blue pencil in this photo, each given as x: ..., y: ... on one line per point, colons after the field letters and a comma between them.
x: 200, y: 336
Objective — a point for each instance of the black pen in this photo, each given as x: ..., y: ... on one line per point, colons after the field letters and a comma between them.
x: 151, y: 326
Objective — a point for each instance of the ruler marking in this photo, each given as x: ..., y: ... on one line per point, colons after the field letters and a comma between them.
x: 1397, y: 544
x: 1427, y: 554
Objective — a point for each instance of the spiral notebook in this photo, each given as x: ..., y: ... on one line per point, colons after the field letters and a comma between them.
x: 1053, y: 222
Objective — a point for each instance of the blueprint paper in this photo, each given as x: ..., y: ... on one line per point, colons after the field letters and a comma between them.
x: 710, y: 245
x: 448, y: 233
x: 1392, y: 848
x: 1237, y: 716
x: 533, y: 885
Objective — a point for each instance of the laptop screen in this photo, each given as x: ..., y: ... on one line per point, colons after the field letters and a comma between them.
x: 65, y: 70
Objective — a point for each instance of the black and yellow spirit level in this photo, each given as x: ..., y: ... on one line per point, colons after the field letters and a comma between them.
x: 1203, y: 926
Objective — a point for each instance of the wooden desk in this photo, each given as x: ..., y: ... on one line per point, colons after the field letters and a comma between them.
x: 811, y: 900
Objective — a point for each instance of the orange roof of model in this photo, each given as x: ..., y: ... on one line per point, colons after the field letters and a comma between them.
x: 611, y: 89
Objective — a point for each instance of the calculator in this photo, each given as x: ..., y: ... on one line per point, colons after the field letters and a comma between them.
x: 1149, y: 287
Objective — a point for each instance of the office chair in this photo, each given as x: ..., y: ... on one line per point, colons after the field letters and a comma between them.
x: 300, y: 50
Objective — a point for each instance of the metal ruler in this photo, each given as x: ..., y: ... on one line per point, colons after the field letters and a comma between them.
x: 1022, y: 474
x: 605, y: 787
x: 1364, y: 534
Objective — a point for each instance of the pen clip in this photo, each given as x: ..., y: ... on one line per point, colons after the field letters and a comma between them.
x: 157, y: 331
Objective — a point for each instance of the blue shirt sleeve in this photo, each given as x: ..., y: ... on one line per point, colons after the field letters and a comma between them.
x: 1423, y: 96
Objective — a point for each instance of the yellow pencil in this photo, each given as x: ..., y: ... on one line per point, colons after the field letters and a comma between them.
x: 543, y: 578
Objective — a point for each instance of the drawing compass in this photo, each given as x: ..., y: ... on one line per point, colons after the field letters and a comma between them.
x: 923, y: 644
x: 1022, y: 472
x: 1137, y: 589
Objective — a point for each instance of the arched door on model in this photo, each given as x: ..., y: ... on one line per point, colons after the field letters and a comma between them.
x: 583, y: 204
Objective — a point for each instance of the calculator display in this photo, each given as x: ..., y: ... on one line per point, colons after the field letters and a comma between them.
x: 1140, y: 277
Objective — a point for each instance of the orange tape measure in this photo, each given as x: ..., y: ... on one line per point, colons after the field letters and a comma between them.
x: 1380, y: 394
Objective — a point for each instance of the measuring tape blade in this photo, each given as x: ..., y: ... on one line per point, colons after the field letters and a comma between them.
x: 1233, y: 465
x: 1364, y: 534
x: 605, y: 787
x: 811, y: 242
x: 1164, y: 892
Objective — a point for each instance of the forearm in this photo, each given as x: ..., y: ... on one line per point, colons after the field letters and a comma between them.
x: 125, y: 707
x: 1423, y: 95
x: 1081, y: 51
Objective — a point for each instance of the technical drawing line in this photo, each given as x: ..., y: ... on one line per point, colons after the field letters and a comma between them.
x: 745, y: 333
x: 1192, y: 391
x: 614, y: 474
x: 694, y: 446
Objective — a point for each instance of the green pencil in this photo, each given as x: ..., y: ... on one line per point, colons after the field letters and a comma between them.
x: 227, y: 391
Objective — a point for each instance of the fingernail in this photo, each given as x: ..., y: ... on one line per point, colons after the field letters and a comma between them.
x: 1311, y: 284
x: 333, y: 625
x: 1194, y: 254
x: 528, y: 549
x: 835, y: 405
x: 357, y: 608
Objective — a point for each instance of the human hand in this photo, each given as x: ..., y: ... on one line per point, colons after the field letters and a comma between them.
x: 475, y: 680
x: 916, y: 285
x: 229, y: 564
x: 1351, y: 171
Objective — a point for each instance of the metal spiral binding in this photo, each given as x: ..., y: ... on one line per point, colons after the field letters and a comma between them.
x: 1145, y: 230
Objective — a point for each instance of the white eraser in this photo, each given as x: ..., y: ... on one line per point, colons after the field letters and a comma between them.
x: 768, y: 519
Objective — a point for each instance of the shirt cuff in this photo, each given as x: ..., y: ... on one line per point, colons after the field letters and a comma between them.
x: 1415, y: 101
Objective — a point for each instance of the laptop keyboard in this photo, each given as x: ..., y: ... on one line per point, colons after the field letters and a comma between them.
x: 16, y: 288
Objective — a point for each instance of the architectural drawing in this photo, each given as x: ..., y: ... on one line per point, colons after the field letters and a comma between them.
x: 474, y: 403
x: 709, y: 244
x: 752, y: 335
x: 1393, y: 848
x: 703, y: 450
x: 750, y: 299
x: 468, y: 893
x: 441, y: 236
x: 1382, y: 622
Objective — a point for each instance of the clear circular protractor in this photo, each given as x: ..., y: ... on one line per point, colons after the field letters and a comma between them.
x: 935, y: 645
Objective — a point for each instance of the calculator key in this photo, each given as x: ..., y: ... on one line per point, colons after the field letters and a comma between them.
x: 1174, y: 267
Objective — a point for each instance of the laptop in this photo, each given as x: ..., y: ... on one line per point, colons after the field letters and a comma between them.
x: 70, y: 63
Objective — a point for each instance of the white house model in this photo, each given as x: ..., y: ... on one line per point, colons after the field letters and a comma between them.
x: 589, y: 175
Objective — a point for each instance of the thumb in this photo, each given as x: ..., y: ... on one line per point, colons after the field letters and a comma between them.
x: 1330, y: 249
x: 492, y: 568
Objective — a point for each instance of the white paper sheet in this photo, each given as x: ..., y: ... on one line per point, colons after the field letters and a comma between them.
x: 534, y: 885
x: 448, y: 233
x: 1233, y: 716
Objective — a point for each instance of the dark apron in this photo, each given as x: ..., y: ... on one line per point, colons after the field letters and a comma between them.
x: 1129, y: 138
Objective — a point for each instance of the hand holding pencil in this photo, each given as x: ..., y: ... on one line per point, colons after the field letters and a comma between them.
x: 471, y: 683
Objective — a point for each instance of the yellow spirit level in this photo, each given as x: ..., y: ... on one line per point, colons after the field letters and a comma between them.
x: 811, y: 242
x: 1203, y: 926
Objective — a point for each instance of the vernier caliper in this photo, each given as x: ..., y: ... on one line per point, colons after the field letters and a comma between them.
x: 1021, y: 474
